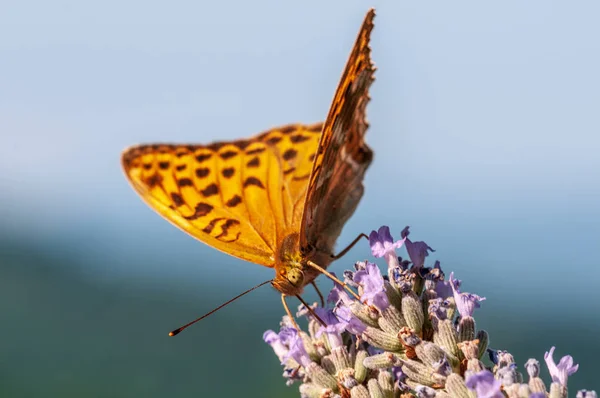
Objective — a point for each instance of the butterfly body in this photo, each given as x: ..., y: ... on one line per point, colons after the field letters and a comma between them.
x: 292, y: 272
x: 278, y: 199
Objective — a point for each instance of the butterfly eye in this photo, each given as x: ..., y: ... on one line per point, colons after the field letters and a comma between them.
x: 295, y: 277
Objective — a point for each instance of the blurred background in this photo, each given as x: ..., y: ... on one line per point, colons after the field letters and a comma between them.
x: 484, y: 121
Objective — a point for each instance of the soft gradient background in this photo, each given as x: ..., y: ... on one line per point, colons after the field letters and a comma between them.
x: 484, y: 122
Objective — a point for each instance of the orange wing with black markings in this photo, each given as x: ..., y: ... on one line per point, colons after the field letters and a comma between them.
x: 240, y: 197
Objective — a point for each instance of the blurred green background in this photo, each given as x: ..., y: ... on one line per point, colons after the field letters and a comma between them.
x: 485, y: 129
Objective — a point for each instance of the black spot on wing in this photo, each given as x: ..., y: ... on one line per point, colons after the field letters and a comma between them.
x: 211, y: 225
x: 273, y: 140
x: 225, y: 227
x: 256, y: 151
x: 202, y: 172
x: 255, y: 162
x: 154, y: 180
x: 288, y: 129
x: 298, y: 138
x: 228, y: 172
x: 210, y: 190
x: 203, y: 157
x: 185, y: 182
x: 290, y: 154
x: 253, y: 181
x: 234, y: 201
x: 228, y: 154
x: 177, y: 199
x: 200, y: 210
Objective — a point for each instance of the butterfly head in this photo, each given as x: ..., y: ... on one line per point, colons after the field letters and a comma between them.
x: 289, y: 281
x: 289, y: 275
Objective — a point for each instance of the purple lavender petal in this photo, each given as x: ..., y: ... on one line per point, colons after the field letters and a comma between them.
x: 382, y: 242
x: 333, y: 326
x: 485, y: 385
x: 338, y: 293
x: 537, y: 395
x: 272, y: 338
x: 351, y: 323
x: 291, y: 338
x: 417, y: 251
x: 465, y: 302
x: 373, y: 286
x: 561, y: 372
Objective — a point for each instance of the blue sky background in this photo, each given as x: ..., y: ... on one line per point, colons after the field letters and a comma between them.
x: 484, y: 122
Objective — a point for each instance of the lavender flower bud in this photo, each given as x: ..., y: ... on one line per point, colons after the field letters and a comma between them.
x: 557, y: 390
x: 386, y: 383
x: 484, y: 340
x: 381, y: 361
x: 359, y: 391
x: 418, y: 373
x: 446, y: 337
x: 340, y: 358
x: 383, y: 340
x: 311, y: 390
x: 320, y: 376
x: 391, y: 320
x: 429, y: 353
x: 456, y: 387
x: 412, y: 310
x: 360, y: 371
x: 466, y: 329
x: 374, y: 389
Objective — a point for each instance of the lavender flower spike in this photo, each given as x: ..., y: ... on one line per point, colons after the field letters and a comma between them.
x: 382, y: 344
x: 485, y: 385
x: 383, y: 245
x: 563, y: 370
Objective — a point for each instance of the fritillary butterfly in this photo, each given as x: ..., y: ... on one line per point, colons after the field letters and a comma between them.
x: 279, y: 199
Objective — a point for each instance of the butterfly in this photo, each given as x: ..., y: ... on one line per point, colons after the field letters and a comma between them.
x: 279, y: 199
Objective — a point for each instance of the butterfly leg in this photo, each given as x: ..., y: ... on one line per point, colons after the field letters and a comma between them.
x: 289, y: 313
x: 350, y: 246
x: 319, y: 293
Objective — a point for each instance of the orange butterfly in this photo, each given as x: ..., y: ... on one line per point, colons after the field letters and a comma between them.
x: 280, y: 198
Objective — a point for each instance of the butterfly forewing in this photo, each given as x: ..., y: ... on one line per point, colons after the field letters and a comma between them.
x: 240, y: 197
x: 335, y: 186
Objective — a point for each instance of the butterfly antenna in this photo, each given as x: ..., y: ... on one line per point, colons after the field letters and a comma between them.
x: 333, y: 278
x: 179, y: 330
